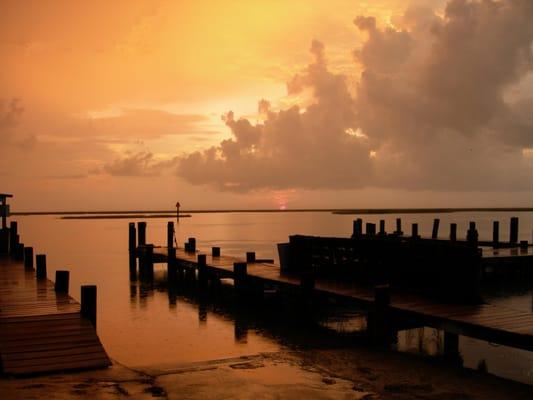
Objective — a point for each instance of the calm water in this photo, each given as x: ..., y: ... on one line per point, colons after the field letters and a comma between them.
x: 147, y: 327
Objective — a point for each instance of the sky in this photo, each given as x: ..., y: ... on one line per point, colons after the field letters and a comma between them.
x: 266, y: 104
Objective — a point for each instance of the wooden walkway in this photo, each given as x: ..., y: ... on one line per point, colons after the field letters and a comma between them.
x: 486, y: 322
x: 41, y: 330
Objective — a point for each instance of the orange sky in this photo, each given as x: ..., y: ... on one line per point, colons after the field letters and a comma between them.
x: 98, y: 82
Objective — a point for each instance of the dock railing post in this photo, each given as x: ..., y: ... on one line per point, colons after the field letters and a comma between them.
x: 435, y: 230
x: 141, y: 230
x: 62, y: 281
x: 88, y: 303
x: 40, y: 260
x: 513, y: 233
x: 28, y: 258
x: 453, y: 232
x: 19, y: 251
x: 382, y: 230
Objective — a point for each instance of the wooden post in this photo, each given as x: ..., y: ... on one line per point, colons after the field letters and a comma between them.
x: 435, y: 230
x: 451, y: 347
x: 357, y: 227
x: 13, y: 237
x: 132, y: 240
x: 40, y: 260
x: 472, y: 235
x: 382, y: 230
x: 414, y: 231
x: 453, y: 232
x: 215, y: 251
x: 62, y: 281
x: 495, y: 233
x: 513, y: 234
x: 240, y: 273
x: 381, y: 324
x: 370, y: 229
x: 202, y: 269
x: 141, y: 230
x: 250, y: 256
x: 398, y: 227
x: 192, y: 244
x: 88, y: 303
x: 28, y: 257
x: 170, y: 234
x: 19, y: 252
x: 4, y: 241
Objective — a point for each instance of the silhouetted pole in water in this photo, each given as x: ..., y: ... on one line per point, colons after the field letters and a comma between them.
x: 141, y: 231
x: 414, y: 231
x: 435, y: 231
x: 215, y: 251
x: 40, y: 260
x: 472, y: 235
x: 495, y: 232
x: 88, y: 303
x: 398, y: 226
x: 178, y: 212
x: 170, y: 234
x: 513, y: 234
x: 62, y: 281
x: 453, y: 232
x: 28, y: 257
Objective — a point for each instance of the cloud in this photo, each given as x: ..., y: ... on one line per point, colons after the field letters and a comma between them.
x: 138, y: 164
x: 430, y: 110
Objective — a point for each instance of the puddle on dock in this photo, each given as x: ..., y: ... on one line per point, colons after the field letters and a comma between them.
x: 140, y: 325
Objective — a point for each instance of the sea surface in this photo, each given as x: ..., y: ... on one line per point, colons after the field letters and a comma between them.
x: 142, y: 326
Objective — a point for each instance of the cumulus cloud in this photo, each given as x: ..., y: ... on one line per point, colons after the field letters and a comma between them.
x: 430, y: 110
x: 138, y: 164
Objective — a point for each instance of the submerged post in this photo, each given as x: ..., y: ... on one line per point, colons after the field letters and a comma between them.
x: 435, y: 230
x: 62, y: 281
x: 40, y: 260
x: 141, y: 228
x: 28, y: 257
x: 453, y: 232
x: 495, y: 232
x: 513, y: 234
x: 88, y: 303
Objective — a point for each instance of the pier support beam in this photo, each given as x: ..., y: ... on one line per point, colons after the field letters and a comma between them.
x: 398, y: 230
x: 414, y: 231
x: 435, y: 230
x: 171, y: 265
x: 471, y: 234
x: 88, y: 303
x: 13, y: 237
x: 170, y: 234
x: 370, y: 229
x: 40, y: 260
x: 240, y: 276
x: 357, y: 227
x: 141, y: 230
x: 382, y: 230
x: 202, y: 270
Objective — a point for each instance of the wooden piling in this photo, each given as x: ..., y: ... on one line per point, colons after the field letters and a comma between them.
x: 215, y: 251
x: 170, y: 234
x: 132, y: 240
x: 171, y: 264
x: 357, y: 227
x: 453, y: 232
x: 250, y: 256
x: 398, y: 230
x: 414, y: 231
x: 19, y: 252
x: 62, y: 281
x: 88, y: 303
x: 141, y: 230
x: 435, y: 230
x: 13, y: 237
x: 28, y: 257
x: 40, y: 260
x: 513, y: 233
x: 192, y: 244
x: 4, y: 241
x: 472, y: 235
x: 382, y: 230
x: 370, y: 229
x: 202, y: 269
x: 380, y: 319
x: 451, y: 346
x: 240, y: 273
x: 495, y: 232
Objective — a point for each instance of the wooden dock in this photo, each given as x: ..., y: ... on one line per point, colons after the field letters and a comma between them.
x: 42, y: 330
x: 482, y: 321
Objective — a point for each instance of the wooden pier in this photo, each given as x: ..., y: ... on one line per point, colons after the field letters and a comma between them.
x: 389, y: 307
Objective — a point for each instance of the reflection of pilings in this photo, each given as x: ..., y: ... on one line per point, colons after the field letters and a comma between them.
x: 202, y: 311
x: 132, y: 247
x: 241, y: 329
x: 171, y: 266
x: 146, y: 263
x: 133, y: 293
x: 172, y: 297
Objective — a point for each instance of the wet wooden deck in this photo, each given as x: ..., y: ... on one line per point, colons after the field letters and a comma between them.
x: 488, y: 322
x: 41, y: 330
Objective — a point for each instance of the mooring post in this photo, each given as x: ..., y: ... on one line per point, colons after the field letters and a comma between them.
x: 202, y: 270
x: 398, y: 227
x: 40, y: 260
x: 495, y: 233
x: 370, y: 229
x: 141, y: 230
x: 13, y: 237
x: 453, y: 232
x: 513, y: 234
x: 171, y: 264
x: 4, y: 241
x: 215, y: 251
x: 382, y: 230
x: 357, y: 227
x: 150, y: 261
x: 435, y: 230
x: 192, y: 244
x: 170, y: 234
x: 250, y: 256
x: 240, y: 273
x: 472, y: 235
x: 88, y: 303
x: 132, y: 240
x: 381, y: 325
x: 28, y: 257
x: 19, y: 252
x: 414, y: 231
x: 62, y: 281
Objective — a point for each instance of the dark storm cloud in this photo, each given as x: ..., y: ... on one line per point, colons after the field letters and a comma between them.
x: 431, y: 110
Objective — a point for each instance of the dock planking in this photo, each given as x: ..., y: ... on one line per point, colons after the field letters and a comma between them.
x: 488, y: 322
x: 42, y: 330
